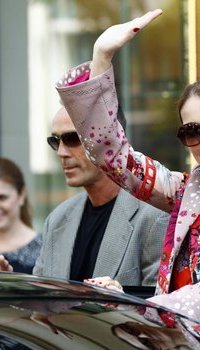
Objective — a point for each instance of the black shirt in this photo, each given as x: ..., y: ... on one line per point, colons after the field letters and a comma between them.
x: 88, y: 240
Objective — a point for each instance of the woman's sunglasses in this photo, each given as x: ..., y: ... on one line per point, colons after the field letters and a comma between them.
x: 70, y: 139
x: 189, y: 134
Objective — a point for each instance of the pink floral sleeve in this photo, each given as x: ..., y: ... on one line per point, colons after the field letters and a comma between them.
x: 92, y: 106
x: 185, y: 301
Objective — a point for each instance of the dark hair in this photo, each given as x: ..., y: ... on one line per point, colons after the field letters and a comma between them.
x: 121, y: 117
x: 11, y: 173
x: 190, y: 90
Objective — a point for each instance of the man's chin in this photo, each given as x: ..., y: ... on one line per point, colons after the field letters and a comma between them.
x: 73, y: 183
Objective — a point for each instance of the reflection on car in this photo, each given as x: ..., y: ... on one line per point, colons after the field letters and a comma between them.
x: 45, y: 313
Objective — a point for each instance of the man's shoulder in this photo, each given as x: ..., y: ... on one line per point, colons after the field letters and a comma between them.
x: 151, y: 209
x: 132, y: 204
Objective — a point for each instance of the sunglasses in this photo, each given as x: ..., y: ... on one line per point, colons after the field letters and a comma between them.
x: 70, y: 139
x: 189, y: 134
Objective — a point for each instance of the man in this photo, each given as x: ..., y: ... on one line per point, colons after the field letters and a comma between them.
x: 101, y: 231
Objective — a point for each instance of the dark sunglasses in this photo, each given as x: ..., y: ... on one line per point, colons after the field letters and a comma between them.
x: 70, y: 139
x: 189, y: 134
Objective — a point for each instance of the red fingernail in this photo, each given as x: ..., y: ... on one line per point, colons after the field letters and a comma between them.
x: 135, y: 30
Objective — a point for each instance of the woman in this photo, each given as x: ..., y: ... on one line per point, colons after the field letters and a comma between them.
x: 92, y: 105
x: 19, y: 243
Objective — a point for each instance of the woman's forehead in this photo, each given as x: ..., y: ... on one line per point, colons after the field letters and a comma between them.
x: 190, y: 111
x: 5, y: 185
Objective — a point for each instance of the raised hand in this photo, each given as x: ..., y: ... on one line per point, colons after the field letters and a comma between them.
x: 115, y: 37
x: 4, y: 265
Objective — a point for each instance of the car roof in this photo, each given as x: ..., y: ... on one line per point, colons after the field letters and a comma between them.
x: 46, y: 313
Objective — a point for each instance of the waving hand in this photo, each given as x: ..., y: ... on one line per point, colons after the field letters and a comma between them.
x: 115, y: 37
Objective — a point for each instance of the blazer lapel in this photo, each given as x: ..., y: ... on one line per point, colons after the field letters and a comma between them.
x: 64, y: 237
x: 114, y: 243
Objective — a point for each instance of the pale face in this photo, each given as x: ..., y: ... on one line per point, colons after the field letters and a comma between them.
x: 78, y: 169
x: 190, y: 112
x: 10, y: 203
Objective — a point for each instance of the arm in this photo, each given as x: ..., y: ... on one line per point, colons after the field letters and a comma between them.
x: 185, y: 301
x: 92, y: 105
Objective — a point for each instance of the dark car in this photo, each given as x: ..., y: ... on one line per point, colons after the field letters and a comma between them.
x: 41, y: 313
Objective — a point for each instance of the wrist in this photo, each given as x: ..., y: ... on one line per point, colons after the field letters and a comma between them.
x: 101, y: 61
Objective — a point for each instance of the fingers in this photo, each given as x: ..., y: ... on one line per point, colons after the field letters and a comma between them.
x: 105, y: 282
x: 4, y: 265
x: 116, y: 289
x: 144, y: 20
x: 141, y: 22
x: 114, y: 285
x: 103, y: 278
x: 98, y: 281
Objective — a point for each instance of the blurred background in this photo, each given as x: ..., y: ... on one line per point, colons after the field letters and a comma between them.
x: 40, y: 39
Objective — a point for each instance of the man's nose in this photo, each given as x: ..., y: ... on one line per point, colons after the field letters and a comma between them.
x: 63, y: 150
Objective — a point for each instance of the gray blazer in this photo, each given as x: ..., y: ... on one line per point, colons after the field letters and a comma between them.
x: 130, y: 249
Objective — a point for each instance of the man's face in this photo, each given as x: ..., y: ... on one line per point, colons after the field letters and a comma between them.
x: 190, y: 113
x: 78, y: 169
